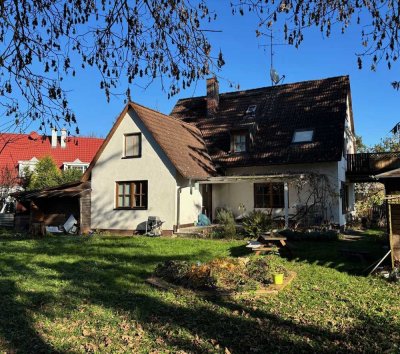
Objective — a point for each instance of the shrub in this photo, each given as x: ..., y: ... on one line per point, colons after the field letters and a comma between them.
x: 186, y: 274
x: 291, y: 235
x: 256, y: 223
x: 257, y: 270
x: 228, y: 225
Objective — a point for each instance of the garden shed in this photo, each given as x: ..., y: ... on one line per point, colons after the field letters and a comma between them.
x: 391, y: 180
x: 53, y: 206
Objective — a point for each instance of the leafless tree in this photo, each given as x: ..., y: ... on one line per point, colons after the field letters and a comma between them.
x: 43, y: 41
x: 8, y: 181
x: 379, y: 22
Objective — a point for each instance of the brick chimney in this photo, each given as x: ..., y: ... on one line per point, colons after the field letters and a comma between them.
x: 63, y: 138
x: 53, y: 138
x: 212, y: 96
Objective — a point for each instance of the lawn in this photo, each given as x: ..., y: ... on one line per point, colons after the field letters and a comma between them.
x: 72, y: 295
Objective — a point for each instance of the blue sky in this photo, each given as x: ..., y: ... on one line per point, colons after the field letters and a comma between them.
x: 375, y: 102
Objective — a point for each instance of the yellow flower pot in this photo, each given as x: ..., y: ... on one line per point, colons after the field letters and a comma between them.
x: 278, y: 279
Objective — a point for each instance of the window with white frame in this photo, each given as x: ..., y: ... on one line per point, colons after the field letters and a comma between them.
x: 76, y: 166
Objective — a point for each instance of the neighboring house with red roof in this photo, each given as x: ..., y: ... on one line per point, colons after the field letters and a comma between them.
x: 280, y: 149
x: 20, y: 151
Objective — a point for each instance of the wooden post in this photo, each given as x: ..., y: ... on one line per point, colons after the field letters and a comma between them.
x: 85, y: 212
x: 391, y: 235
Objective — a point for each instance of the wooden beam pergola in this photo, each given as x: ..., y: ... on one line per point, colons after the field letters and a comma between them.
x: 283, y: 178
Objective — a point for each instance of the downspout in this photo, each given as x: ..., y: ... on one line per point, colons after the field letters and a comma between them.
x: 178, y: 208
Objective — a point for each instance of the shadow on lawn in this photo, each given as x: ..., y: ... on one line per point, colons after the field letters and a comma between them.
x: 17, y: 331
x: 227, y: 324
x: 352, y: 256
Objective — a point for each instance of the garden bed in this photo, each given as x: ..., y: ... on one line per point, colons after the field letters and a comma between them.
x: 269, y: 289
x: 223, y: 277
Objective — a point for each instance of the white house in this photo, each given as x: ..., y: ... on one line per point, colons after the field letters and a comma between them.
x: 281, y: 149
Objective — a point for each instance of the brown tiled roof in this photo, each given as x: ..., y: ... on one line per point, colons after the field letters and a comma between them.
x: 182, y: 142
x: 281, y: 110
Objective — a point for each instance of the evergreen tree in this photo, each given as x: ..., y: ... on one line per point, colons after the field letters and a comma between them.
x: 46, y: 174
x: 71, y: 175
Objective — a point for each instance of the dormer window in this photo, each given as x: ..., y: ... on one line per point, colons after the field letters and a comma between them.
x: 303, y: 136
x: 76, y: 165
x: 251, y: 109
x: 28, y: 165
x: 133, y: 145
x: 239, y: 141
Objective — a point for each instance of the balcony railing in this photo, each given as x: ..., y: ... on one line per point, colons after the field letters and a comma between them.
x: 369, y: 164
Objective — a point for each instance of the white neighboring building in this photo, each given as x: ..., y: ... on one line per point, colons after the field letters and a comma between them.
x: 281, y: 149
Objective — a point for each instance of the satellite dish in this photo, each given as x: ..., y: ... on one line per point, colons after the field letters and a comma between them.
x: 274, y: 76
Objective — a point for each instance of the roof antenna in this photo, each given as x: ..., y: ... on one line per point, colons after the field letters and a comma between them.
x: 273, y: 74
x: 396, y: 131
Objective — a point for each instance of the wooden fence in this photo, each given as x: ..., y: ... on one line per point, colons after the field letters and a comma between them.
x: 7, y: 220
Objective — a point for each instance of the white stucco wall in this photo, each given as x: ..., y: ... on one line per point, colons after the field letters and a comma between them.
x: 153, y: 166
x: 350, y: 148
x: 234, y: 195
x: 190, y: 201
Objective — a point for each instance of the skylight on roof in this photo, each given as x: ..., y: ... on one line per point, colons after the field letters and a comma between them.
x: 251, y: 109
x: 303, y: 136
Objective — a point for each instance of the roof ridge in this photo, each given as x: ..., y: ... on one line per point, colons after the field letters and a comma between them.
x: 268, y: 87
x: 47, y: 136
x: 165, y: 115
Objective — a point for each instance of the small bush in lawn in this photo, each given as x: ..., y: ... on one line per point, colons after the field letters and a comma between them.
x: 228, y: 225
x: 173, y: 271
x: 256, y: 223
x: 186, y: 274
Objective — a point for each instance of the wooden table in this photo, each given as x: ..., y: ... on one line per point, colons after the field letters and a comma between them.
x: 273, y: 239
x: 270, y: 242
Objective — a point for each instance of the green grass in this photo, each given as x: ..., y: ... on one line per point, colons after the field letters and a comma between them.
x: 72, y: 295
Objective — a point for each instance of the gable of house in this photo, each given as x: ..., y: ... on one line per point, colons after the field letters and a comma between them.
x: 271, y: 117
x: 181, y: 142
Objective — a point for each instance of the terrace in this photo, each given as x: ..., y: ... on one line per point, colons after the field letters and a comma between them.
x: 363, y: 167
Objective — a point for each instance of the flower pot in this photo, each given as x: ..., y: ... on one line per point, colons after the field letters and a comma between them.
x: 278, y: 278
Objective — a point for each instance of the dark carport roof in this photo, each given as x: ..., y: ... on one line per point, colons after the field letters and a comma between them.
x: 73, y: 189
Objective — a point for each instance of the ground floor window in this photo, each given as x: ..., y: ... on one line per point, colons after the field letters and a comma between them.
x: 131, y: 195
x: 269, y: 195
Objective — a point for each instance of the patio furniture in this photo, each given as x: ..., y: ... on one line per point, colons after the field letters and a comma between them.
x: 267, y: 242
x: 272, y: 239
x: 154, y: 226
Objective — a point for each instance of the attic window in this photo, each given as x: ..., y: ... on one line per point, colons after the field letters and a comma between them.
x: 239, y: 141
x: 133, y: 145
x: 303, y: 136
x: 251, y: 109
